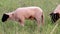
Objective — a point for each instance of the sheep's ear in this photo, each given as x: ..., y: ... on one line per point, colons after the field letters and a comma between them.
x: 51, y: 14
x: 5, y: 17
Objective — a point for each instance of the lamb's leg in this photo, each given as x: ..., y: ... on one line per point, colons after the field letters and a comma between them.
x: 38, y: 19
x: 22, y: 21
x: 38, y: 22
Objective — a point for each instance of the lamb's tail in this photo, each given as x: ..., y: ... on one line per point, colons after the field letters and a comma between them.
x: 42, y: 19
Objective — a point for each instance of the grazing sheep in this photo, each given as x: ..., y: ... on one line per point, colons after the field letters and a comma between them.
x: 20, y: 14
x: 56, y: 14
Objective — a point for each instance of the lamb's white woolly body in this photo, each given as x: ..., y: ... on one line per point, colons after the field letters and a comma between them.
x: 20, y: 14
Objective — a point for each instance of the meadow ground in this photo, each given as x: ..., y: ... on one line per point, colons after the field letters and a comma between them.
x: 13, y: 27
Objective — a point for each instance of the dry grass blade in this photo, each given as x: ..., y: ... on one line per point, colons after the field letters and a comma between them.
x: 54, y: 28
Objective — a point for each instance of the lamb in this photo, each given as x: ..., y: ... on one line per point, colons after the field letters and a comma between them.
x: 20, y: 14
x: 55, y: 15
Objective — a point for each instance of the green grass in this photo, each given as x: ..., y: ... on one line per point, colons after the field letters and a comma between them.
x: 13, y: 27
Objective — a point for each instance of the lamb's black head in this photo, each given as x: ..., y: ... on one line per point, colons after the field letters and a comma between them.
x: 54, y: 17
x: 5, y: 17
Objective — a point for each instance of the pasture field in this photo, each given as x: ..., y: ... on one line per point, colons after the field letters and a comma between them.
x: 13, y: 27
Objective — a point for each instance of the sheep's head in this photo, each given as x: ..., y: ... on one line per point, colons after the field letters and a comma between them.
x: 54, y: 17
x: 5, y: 17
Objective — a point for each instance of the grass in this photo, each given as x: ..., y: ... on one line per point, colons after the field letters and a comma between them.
x: 13, y: 27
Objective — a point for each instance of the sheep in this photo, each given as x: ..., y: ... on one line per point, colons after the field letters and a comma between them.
x: 55, y: 15
x: 20, y: 14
